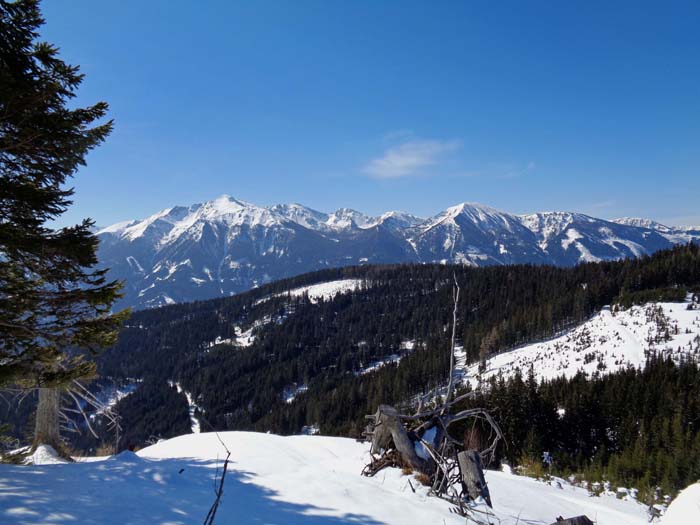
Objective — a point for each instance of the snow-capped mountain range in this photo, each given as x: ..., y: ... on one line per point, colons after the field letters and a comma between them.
x: 226, y: 246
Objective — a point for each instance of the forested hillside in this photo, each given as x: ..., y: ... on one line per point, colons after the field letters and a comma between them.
x: 280, y: 361
x: 634, y: 428
x: 398, y: 312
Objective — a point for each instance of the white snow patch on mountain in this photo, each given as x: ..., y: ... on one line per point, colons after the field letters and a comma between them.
x: 308, y: 480
x: 110, y: 395
x: 243, y: 338
x: 642, y: 223
x: 142, y: 292
x: 325, y: 291
x: 292, y: 391
x: 572, y: 236
x: 406, y: 348
x: 135, y: 264
x: 607, y: 342
x: 635, y: 248
x: 376, y: 365
x: 192, y: 407
x: 117, y: 228
x: 547, y: 224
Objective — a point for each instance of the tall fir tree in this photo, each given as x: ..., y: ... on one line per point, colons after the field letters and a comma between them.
x: 54, y: 306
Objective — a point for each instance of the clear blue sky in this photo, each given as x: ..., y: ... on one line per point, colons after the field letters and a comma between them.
x: 524, y: 106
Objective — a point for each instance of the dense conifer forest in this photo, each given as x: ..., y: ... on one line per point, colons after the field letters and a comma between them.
x: 634, y: 428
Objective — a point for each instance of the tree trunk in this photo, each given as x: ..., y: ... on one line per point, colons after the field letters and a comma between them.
x: 46, y: 428
x: 473, y: 481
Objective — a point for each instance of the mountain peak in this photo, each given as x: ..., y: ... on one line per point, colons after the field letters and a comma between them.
x: 344, y: 218
x: 224, y: 204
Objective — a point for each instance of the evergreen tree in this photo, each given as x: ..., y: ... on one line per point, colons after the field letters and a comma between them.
x: 52, y: 301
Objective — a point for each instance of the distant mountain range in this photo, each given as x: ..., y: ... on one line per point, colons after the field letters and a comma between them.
x: 226, y: 246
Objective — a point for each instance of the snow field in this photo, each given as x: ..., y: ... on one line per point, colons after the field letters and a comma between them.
x: 272, y: 480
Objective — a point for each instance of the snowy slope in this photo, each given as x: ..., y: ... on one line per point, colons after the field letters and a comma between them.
x: 685, y: 509
x: 605, y: 343
x: 571, y: 238
x: 681, y: 234
x: 327, y: 290
x: 474, y: 234
x: 272, y: 480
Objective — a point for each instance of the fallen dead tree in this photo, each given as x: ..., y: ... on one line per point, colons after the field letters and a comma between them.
x: 424, y: 441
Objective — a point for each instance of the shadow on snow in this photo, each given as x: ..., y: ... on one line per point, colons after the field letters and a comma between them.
x: 127, y: 489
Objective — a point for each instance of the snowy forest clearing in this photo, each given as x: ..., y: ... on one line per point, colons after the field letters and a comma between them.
x: 326, y: 291
x: 271, y: 480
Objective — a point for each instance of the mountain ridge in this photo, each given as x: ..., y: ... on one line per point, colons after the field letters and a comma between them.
x: 226, y: 245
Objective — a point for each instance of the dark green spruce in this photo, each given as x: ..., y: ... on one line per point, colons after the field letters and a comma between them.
x: 51, y: 300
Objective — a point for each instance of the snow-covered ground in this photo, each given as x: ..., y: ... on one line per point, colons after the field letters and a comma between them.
x: 685, y: 509
x: 325, y: 291
x: 607, y: 342
x: 272, y: 480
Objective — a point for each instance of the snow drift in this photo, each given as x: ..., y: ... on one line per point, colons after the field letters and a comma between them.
x: 685, y: 509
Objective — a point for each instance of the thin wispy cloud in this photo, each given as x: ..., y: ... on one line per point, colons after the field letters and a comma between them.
x: 515, y: 171
x: 410, y: 158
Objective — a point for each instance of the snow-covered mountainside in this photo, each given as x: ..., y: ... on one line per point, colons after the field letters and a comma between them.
x: 227, y: 246
x: 271, y: 480
x: 609, y: 341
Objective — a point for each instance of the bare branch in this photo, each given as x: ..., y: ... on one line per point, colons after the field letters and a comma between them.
x: 451, y: 379
x: 209, y: 520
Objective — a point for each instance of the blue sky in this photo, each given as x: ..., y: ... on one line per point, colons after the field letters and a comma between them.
x: 525, y: 106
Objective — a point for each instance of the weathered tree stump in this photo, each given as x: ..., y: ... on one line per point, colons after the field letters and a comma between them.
x: 388, y: 432
x: 472, y: 473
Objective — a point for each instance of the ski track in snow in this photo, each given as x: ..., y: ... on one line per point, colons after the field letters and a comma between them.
x: 272, y: 480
